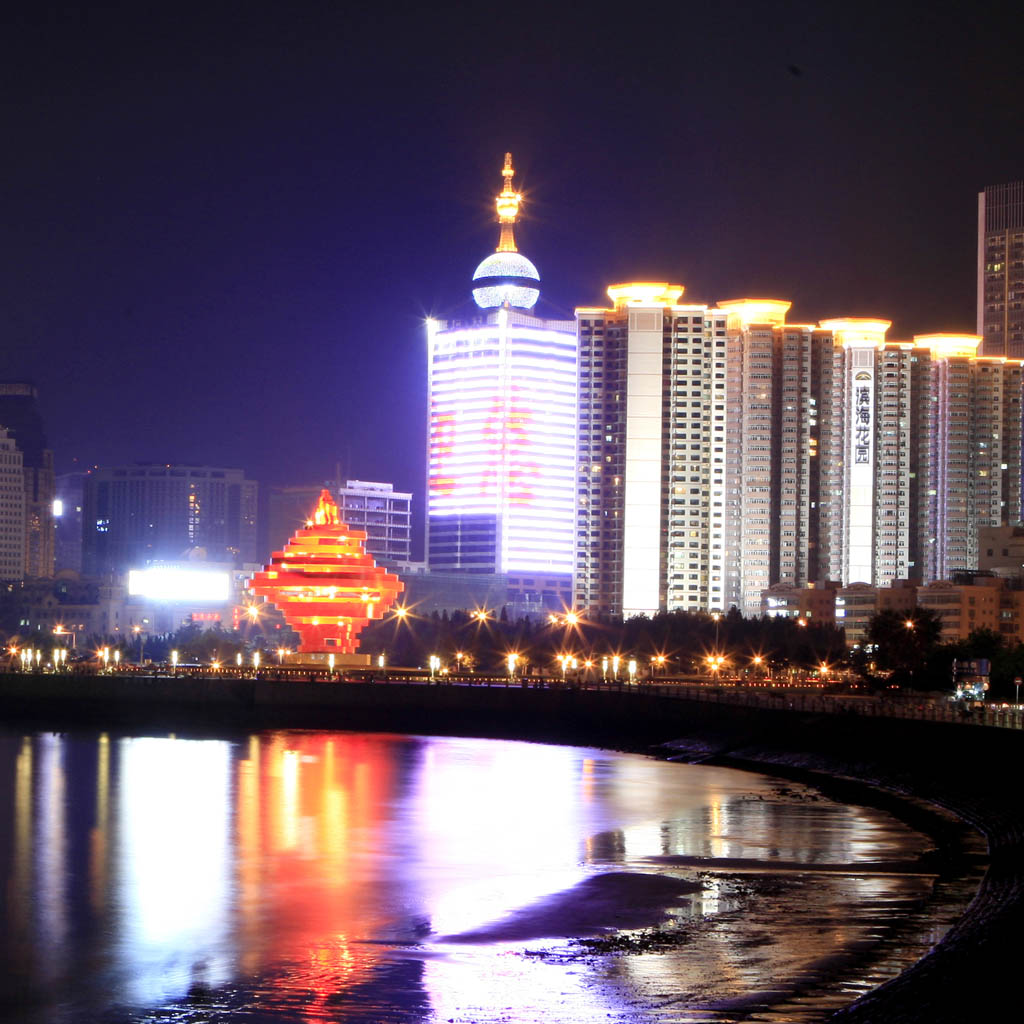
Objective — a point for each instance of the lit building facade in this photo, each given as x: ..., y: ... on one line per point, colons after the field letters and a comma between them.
x: 501, y: 432
x: 137, y: 514
x: 779, y: 450
x: 1001, y: 270
x: 971, y: 450
x: 650, y: 473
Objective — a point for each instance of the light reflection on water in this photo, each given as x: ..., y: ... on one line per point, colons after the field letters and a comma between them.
x: 349, y: 877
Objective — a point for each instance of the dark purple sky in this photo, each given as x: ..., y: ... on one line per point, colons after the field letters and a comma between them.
x: 221, y: 231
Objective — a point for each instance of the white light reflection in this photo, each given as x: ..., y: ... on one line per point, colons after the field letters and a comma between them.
x: 173, y: 866
x: 50, y: 851
x: 499, y: 829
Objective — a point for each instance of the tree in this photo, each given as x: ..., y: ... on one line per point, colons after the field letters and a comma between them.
x: 904, y: 643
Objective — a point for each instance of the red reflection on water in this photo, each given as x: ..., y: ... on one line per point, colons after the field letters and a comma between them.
x: 310, y: 812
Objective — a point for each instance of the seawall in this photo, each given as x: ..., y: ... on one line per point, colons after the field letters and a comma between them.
x: 975, y: 772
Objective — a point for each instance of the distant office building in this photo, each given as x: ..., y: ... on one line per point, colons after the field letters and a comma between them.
x: 779, y: 450
x: 67, y: 520
x: 810, y: 603
x: 502, y: 409
x: 971, y: 450
x: 20, y: 415
x: 384, y: 513
x: 1001, y: 270
x: 138, y: 514
x: 12, y: 510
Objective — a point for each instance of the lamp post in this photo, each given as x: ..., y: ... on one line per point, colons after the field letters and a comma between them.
x: 137, y: 630
x: 174, y: 662
x: 511, y: 662
x: 63, y: 631
x: 615, y: 668
x: 435, y: 664
x: 631, y: 667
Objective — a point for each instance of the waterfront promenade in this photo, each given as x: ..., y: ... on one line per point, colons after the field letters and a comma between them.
x: 973, y: 767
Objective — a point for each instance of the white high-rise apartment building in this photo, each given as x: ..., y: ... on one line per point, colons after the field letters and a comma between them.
x: 971, y: 457
x: 650, y: 470
x: 778, y: 443
x: 929, y: 436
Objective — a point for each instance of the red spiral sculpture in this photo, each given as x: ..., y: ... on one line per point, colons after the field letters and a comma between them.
x: 325, y: 584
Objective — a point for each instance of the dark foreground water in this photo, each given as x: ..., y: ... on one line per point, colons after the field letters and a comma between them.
x: 372, y: 878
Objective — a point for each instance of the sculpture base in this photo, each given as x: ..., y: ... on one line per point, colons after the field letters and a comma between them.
x: 319, y: 659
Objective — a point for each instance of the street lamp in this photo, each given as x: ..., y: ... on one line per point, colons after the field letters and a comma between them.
x: 615, y: 666
x: 61, y: 631
x: 117, y: 658
x: 174, y: 661
x: 632, y: 670
x: 105, y: 655
x: 435, y: 664
x: 238, y: 659
x: 511, y: 662
x: 330, y: 663
x: 137, y: 630
x: 256, y: 660
x: 604, y: 669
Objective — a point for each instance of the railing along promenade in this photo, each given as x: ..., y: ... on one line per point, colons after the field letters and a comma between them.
x: 768, y: 696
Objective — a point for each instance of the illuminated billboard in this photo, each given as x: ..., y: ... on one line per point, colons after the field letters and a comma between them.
x: 180, y: 585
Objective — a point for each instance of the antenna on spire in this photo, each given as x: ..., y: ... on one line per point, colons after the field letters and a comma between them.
x: 508, y: 207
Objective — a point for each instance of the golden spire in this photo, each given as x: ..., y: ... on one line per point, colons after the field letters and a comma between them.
x: 508, y: 206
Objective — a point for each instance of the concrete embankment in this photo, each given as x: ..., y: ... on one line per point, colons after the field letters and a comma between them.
x: 975, y: 772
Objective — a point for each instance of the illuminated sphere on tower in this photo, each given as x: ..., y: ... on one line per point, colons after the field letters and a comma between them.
x: 506, y: 277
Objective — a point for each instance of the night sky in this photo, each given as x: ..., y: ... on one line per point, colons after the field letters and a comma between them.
x: 222, y: 230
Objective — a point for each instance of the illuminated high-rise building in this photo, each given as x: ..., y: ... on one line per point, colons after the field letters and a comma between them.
x: 929, y: 451
x: 651, y: 454
x: 778, y: 450
x: 972, y: 450
x: 1001, y: 270
x: 502, y: 411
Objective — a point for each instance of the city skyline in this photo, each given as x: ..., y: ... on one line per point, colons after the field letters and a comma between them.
x: 192, y: 208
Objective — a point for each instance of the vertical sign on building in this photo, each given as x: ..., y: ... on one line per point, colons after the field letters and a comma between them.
x: 861, y: 495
